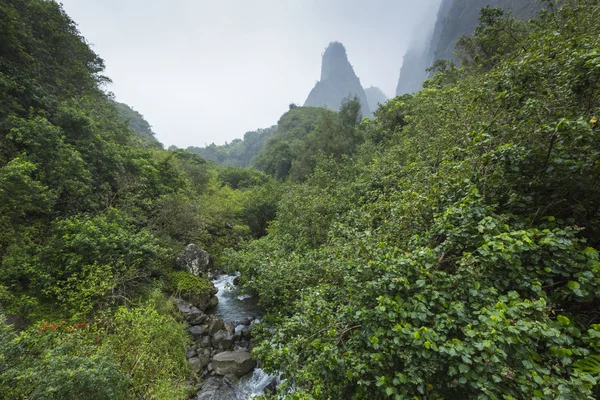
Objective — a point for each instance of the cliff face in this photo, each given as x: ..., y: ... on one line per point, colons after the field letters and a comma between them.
x: 375, y: 97
x: 338, y: 81
x: 455, y: 18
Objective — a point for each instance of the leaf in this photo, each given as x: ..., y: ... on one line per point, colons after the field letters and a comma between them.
x: 589, y: 365
x: 564, y: 321
x: 573, y: 285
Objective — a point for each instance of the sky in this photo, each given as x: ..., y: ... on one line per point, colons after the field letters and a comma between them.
x: 205, y: 71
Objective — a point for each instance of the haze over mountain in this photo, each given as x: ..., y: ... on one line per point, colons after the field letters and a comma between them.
x: 375, y: 97
x: 338, y: 81
x: 455, y: 18
x: 188, y: 66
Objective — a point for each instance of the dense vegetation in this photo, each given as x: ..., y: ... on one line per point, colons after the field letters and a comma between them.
x: 454, y: 252
x: 238, y: 153
x: 446, y: 249
x: 138, y: 124
x: 91, y: 217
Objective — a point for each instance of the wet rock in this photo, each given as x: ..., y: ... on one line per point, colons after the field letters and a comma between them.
x: 216, y: 388
x: 193, y: 259
x: 242, y: 345
x: 222, y: 340
x: 213, y: 302
x: 229, y: 328
x: 231, y: 380
x: 271, y: 388
x: 236, y: 280
x: 237, y: 363
x: 198, y: 331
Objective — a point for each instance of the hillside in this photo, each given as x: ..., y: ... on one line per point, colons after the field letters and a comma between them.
x: 238, y: 153
x: 338, y: 82
x: 454, y: 254
x: 138, y: 124
x: 91, y: 220
x: 454, y: 19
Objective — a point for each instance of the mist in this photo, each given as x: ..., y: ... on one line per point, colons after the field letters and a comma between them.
x: 203, y: 72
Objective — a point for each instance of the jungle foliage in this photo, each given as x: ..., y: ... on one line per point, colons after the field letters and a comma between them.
x: 454, y: 253
x: 91, y: 217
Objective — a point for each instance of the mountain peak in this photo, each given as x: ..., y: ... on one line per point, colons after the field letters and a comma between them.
x: 338, y: 81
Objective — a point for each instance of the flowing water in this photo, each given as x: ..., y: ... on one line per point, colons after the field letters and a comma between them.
x: 235, y: 308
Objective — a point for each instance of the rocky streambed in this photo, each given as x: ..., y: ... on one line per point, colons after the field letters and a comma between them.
x: 221, y: 352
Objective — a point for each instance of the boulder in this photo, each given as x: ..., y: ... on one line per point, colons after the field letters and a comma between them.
x: 215, y: 326
x: 198, y: 331
x: 237, y: 363
x: 216, y: 388
x: 223, y: 340
x: 195, y: 316
x: 193, y: 259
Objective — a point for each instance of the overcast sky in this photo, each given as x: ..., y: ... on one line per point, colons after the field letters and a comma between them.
x: 208, y: 71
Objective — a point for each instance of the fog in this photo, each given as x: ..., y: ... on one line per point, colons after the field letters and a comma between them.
x: 208, y: 71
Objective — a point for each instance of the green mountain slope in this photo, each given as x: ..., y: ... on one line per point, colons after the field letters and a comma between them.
x: 454, y: 255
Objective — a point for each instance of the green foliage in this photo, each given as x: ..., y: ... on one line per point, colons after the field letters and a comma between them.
x: 288, y: 143
x: 455, y: 253
x: 138, y: 124
x: 57, y: 361
x: 238, y: 153
x: 150, y: 345
x: 91, y: 216
x: 191, y: 287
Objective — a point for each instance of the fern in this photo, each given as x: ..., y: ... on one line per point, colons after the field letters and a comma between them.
x: 589, y: 365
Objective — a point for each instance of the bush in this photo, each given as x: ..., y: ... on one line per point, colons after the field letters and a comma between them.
x: 150, y: 347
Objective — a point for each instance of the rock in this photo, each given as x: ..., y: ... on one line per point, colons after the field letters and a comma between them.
x: 237, y: 363
x: 236, y: 280
x: 193, y: 259
x: 198, y: 331
x: 222, y: 340
x: 190, y: 353
x: 195, y: 364
x: 229, y: 327
x: 204, y: 342
x: 183, y: 306
x: 215, y: 326
x: 195, y: 316
x: 213, y: 302
x: 216, y: 388
x: 209, y: 367
x: 231, y: 380
x: 271, y: 388
x: 242, y: 345
x: 204, y: 358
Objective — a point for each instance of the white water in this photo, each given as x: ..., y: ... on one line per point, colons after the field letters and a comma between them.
x: 235, y: 308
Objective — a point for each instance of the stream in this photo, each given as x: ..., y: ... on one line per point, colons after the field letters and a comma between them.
x: 234, y: 308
